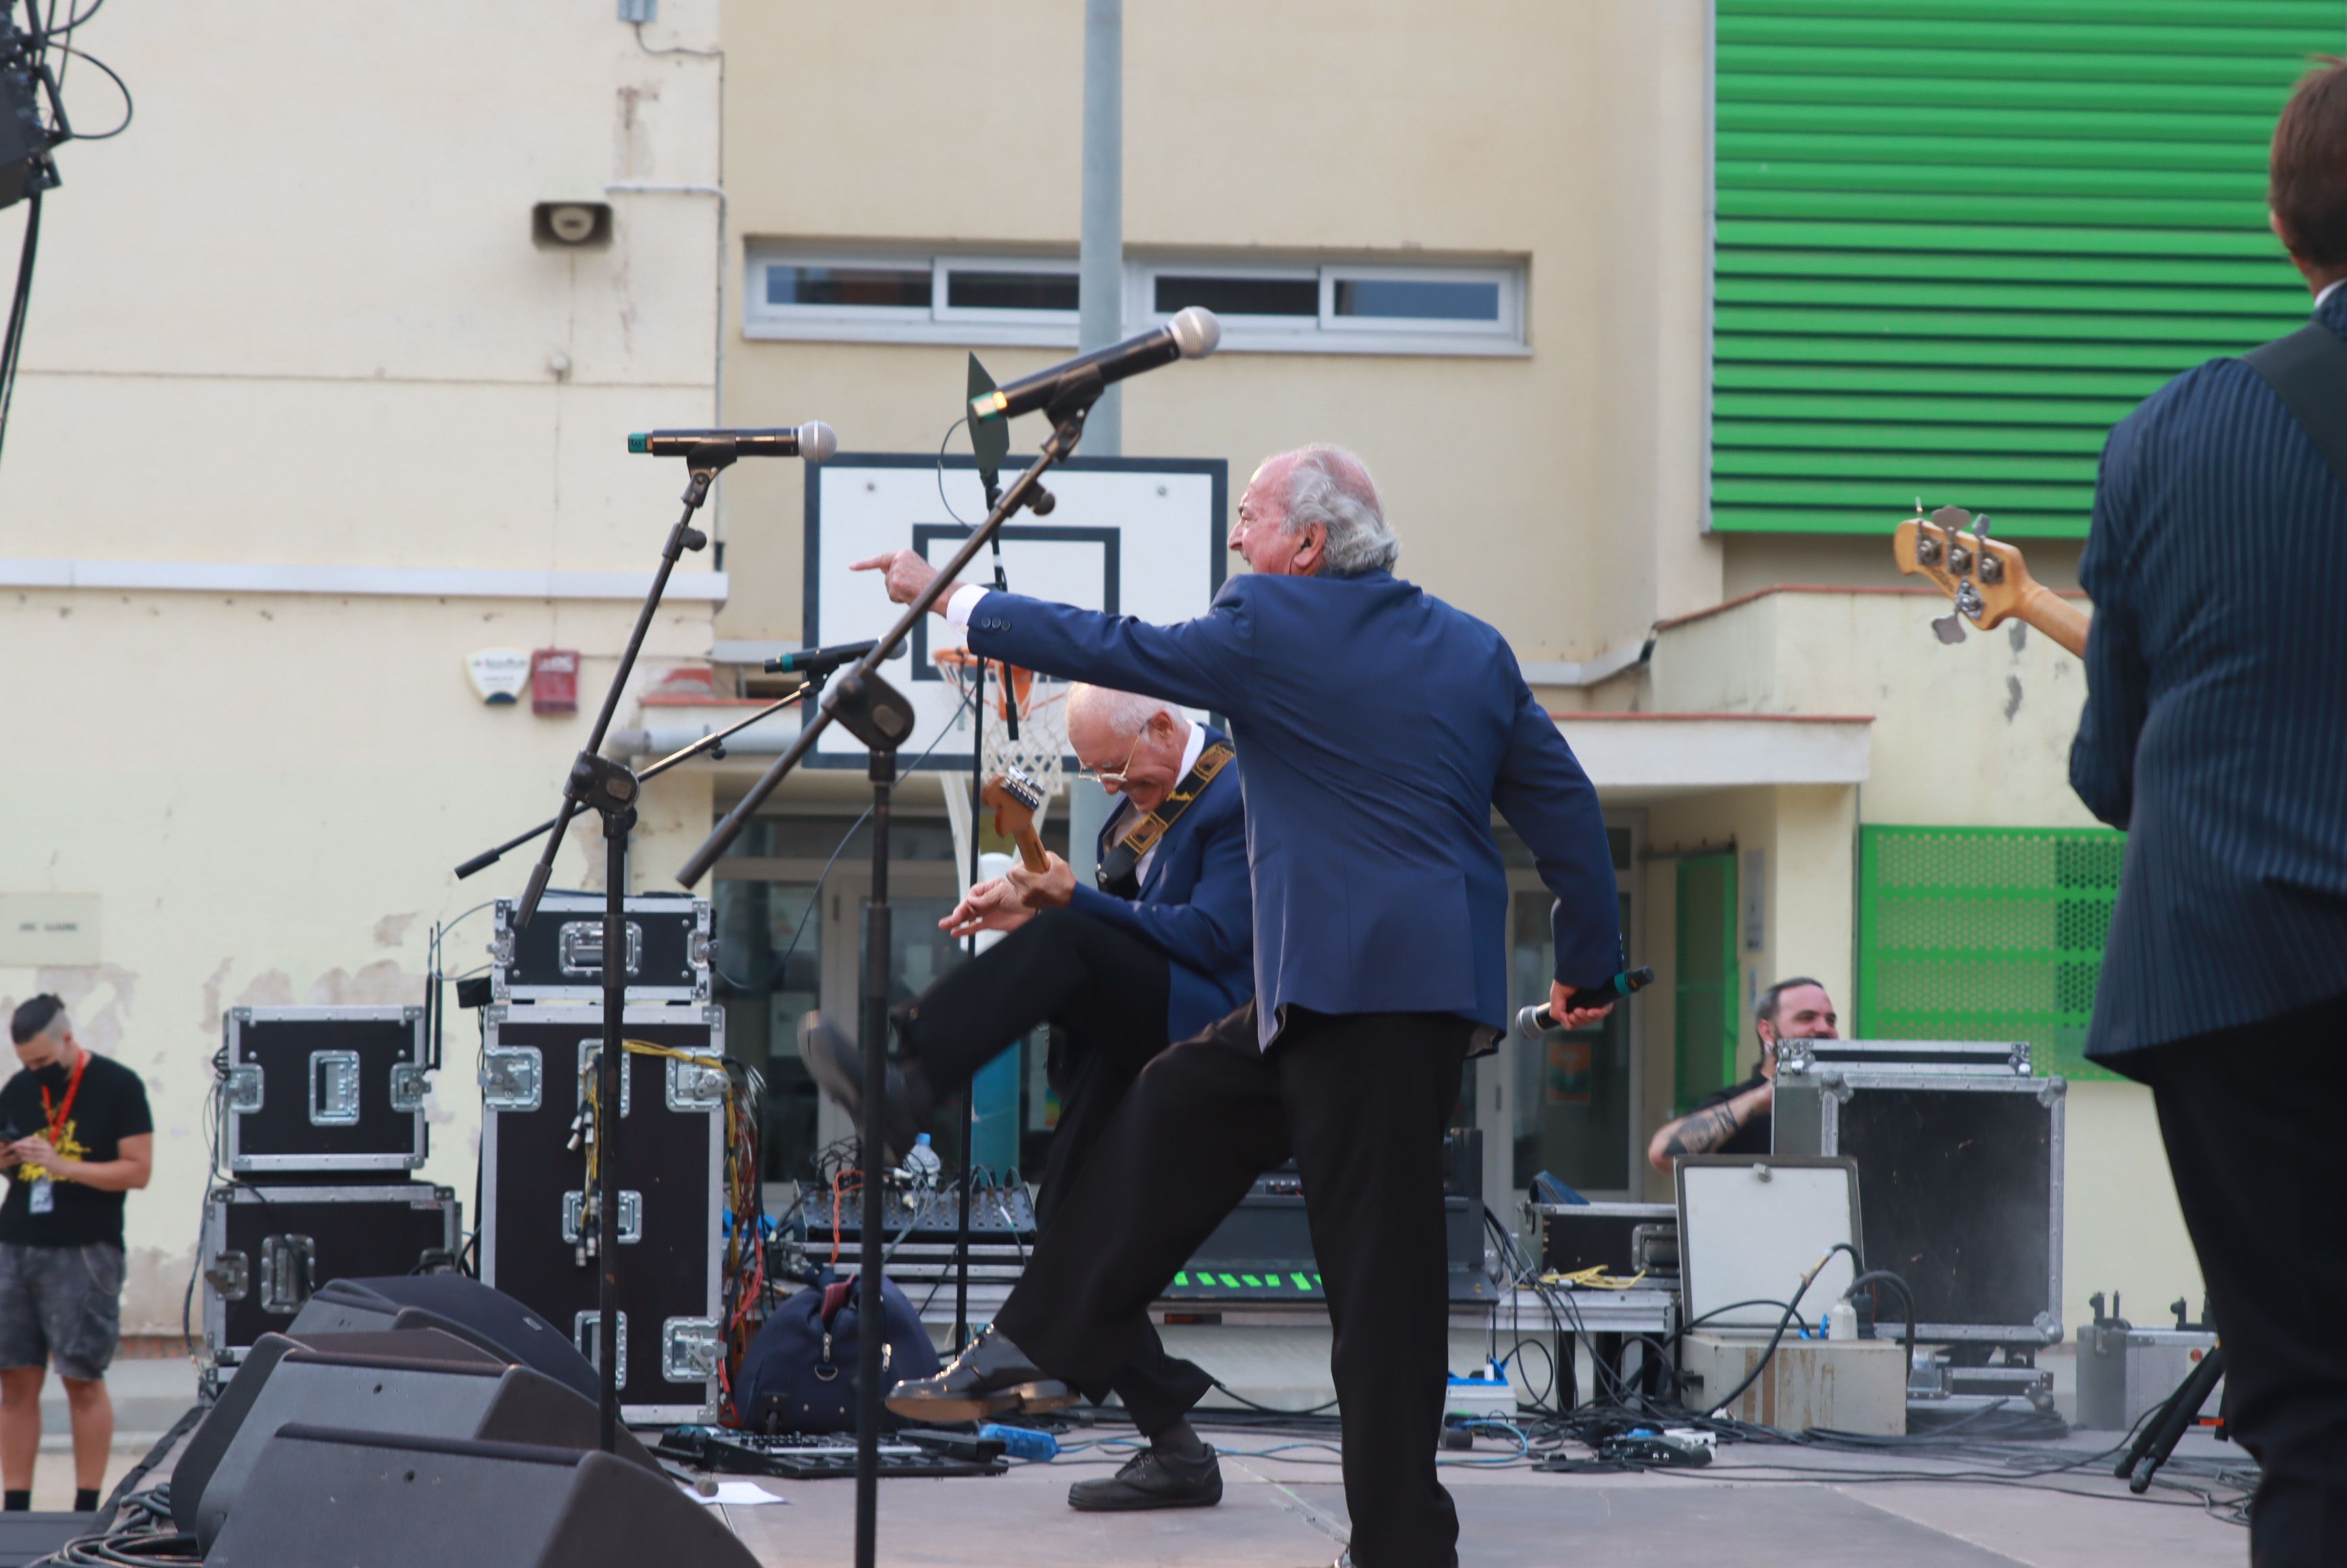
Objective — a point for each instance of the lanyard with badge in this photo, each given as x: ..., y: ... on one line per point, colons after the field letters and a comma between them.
x: 43, y: 1199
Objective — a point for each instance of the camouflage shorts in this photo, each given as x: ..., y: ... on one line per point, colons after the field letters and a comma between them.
x: 61, y: 1304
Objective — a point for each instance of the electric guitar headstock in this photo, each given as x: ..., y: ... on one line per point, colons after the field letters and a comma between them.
x: 1986, y: 579
x: 1016, y: 798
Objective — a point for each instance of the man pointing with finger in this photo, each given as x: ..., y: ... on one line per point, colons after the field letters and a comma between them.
x: 1161, y: 950
x: 1377, y: 729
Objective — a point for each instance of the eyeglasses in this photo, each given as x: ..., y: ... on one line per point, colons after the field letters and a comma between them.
x: 1113, y: 778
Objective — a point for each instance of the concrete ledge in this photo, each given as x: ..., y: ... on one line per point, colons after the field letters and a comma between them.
x: 1718, y: 751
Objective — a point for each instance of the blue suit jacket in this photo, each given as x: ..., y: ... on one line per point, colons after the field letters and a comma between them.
x: 2215, y: 724
x: 1193, y: 906
x: 1377, y: 727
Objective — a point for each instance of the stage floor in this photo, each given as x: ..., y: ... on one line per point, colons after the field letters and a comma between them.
x: 1283, y: 1513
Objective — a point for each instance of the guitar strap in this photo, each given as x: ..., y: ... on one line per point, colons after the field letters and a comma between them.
x: 2307, y: 370
x: 1119, y: 873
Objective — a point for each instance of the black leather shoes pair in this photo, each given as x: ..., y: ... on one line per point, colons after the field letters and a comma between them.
x: 1153, y: 1479
x: 837, y: 1069
x: 992, y: 1377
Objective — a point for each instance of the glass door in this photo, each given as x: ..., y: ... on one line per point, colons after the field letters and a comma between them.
x: 1568, y: 1104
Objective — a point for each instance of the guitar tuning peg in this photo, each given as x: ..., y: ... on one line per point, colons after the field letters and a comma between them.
x: 1980, y: 526
x: 1950, y: 627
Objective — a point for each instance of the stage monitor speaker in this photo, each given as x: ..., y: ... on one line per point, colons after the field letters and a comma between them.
x: 223, y: 1421
x: 324, y: 1495
x: 28, y: 1538
x: 462, y: 1307
x: 489, y: 1402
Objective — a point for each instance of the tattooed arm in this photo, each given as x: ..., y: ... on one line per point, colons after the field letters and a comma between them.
x: 1702, y: 1130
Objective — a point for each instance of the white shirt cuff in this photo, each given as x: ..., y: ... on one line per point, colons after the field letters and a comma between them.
x: 962, y: 603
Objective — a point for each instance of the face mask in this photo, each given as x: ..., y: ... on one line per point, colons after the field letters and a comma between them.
x: 53, y: 1076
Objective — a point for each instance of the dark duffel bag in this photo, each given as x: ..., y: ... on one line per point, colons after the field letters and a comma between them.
x: 799, y: 1373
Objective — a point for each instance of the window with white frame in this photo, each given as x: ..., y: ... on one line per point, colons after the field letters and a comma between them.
x: 1300, y: 306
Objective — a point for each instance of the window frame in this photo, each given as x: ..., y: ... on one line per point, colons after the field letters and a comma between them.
x: 944, y: 324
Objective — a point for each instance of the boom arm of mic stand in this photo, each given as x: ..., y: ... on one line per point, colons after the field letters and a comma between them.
x: 708, y: 742
x: 1067, y: 426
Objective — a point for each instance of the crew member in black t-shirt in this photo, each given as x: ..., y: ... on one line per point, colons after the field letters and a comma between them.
x: 77, y: 1137
x: 1740, y: 1121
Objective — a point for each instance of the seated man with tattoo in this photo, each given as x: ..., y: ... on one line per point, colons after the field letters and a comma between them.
x: 1739, y: 1120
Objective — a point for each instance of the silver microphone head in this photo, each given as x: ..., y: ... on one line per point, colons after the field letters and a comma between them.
x: 817, y: 441
x: 1196, y: 332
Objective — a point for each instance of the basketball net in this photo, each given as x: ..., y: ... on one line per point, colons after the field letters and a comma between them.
x: 1043, y: 703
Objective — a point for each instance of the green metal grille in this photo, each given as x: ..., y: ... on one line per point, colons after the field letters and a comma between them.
x: 1704, y: 995
x: 1985, y: 933
x: 1958, y: 239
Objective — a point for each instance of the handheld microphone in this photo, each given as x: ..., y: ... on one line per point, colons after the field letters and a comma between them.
x: 1191, y: 334
x: 811, y: 661
x: 1533, y: 1022
x: 813, y: 441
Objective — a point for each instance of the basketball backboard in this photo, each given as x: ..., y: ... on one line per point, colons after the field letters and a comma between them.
x: 1134, y: 535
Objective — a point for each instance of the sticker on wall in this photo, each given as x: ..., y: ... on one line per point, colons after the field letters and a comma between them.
x: 499, y: 674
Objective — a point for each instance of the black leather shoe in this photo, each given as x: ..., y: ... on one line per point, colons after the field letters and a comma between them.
x: 837, y: 1067
x: 992, y: 1377
x: 1151, y: 1480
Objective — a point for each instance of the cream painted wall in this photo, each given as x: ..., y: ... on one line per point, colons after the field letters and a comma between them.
x: 1977, y: 733
x: 294, y: 316
x: 268, y: 794
x: 294, y: 313
x: 1556, y: 495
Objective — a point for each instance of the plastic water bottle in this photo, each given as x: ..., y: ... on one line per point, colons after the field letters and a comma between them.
x: 921, y: 1162
x: 1022, y: 1442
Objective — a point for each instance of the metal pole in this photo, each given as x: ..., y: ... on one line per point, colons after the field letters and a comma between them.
x: 968, y: 1094
x: 1099, y: 266
x: 872, y: 1158
x: 608, y: 1100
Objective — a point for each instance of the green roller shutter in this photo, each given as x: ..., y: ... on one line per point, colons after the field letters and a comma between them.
x: 1958, y: 239
x: 1985, y: 933
x: 1704, y: 997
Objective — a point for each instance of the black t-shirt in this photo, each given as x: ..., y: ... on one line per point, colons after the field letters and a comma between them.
x: 110, y: 1106
x: 1755, y: 1137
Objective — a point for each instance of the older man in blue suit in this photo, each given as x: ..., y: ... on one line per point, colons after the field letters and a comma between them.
x: 1156, y: 953
x: 2216, y: 733
x: 1376, y: 728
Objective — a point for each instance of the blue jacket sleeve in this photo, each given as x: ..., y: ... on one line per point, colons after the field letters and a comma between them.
x: 1198, y: 663
x: 1215, y: 931
x: 1551, y: 805
x: 2102, y: 757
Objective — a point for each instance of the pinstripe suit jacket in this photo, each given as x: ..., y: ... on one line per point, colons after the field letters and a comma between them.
x: 2215, y: 722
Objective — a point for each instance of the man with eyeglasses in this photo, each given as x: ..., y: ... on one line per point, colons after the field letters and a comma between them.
x: 1163, y: 946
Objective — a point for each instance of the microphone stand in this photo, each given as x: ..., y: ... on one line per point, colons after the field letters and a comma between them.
x: 607, y: 788
x: 976, y: 790
x: 877, y: 715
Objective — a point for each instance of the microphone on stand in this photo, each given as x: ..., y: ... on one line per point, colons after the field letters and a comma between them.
x: 814, y: 662
x: 1191, y: 334
x: 813, y: 441
x: 1535, y: 1022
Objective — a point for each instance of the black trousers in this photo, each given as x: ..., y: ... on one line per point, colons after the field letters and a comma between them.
x: 1107, y: 990
x: 1359, y: 1102
x: 2260, y: 1170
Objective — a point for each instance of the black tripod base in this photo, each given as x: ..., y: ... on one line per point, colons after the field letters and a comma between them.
x: 2169, y: 1424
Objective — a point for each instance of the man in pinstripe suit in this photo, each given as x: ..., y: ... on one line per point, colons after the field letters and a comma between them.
x: 2216, y: 733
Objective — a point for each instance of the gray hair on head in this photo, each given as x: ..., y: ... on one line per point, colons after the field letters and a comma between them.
x: 1124, y: 712
x: 1331, y: 487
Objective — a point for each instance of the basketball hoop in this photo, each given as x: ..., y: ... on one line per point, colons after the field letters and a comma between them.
x: 1043, y: 743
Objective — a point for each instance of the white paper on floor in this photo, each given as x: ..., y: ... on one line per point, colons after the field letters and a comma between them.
x: 739, y: 1495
